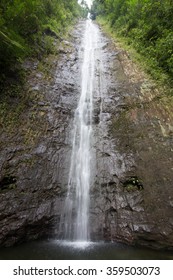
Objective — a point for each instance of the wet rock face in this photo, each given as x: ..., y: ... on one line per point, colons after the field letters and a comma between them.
x: 131, y: 193
x: 35, y: 156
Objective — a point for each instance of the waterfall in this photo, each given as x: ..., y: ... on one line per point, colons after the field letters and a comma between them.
x: 75, y: 218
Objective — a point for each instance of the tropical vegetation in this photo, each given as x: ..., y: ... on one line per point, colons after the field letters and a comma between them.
x: 147, y: 25
x: 26, y: 28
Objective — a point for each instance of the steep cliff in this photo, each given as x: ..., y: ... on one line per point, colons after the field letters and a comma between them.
x: 131, y: 192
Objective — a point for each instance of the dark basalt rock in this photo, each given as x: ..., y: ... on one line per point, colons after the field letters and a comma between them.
x: 131, y: 190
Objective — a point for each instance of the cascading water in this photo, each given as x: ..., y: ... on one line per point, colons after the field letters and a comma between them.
x: 75, y: 219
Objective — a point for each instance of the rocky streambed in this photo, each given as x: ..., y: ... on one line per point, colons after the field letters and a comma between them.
x: 131, y: 189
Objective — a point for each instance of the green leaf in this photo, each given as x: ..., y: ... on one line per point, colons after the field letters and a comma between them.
x: 9, y: 41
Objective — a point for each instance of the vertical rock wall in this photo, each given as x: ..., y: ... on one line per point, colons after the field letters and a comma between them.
x: 131, y: 187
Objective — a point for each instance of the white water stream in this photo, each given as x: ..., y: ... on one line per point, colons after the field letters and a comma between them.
x: 76, y: 211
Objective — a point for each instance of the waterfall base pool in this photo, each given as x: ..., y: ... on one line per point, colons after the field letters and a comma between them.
x: 61, y: 250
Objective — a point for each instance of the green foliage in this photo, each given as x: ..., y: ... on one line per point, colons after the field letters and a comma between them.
x: 132, y: 184
x: 22, y: 28
x: 148, y: 25
x: 84, y: 9
x: 8, y: 41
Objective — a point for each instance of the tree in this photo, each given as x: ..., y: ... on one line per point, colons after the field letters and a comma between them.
x: 148, y: 24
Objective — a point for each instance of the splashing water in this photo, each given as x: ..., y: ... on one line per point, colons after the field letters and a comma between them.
x: 75, y: 218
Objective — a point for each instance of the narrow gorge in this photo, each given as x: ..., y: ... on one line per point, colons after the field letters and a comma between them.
x: 95, y: 120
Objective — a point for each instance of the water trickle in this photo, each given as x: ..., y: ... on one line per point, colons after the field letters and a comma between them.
x: 75, y: 219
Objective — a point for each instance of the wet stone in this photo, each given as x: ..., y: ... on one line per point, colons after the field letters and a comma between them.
x: 129, y: 199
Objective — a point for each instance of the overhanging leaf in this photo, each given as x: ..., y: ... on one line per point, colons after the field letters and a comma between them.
x: 9, y: 41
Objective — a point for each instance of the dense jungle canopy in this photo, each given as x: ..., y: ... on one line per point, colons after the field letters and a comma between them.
x: 148, y: 25
x: 27, y: 28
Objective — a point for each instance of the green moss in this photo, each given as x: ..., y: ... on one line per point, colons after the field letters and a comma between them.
x: 150, y: 67
x: 130, y: 187
x: 119, y: 122
x: 133, y: 184
x: 8, y: 182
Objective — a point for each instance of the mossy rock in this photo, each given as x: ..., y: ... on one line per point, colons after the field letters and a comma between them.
x: 133, y: 183
x: 8, y: 182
